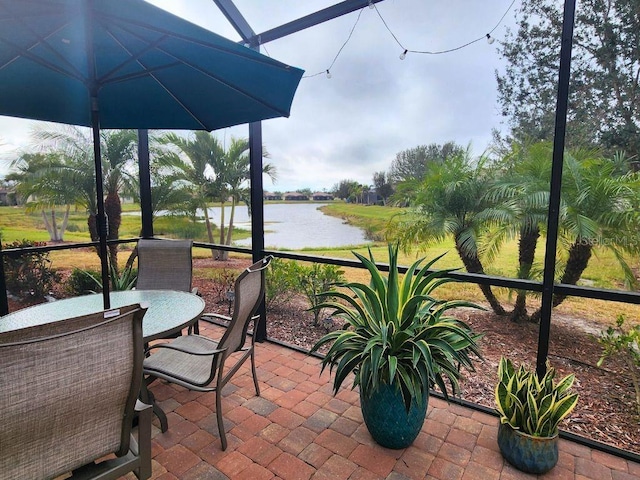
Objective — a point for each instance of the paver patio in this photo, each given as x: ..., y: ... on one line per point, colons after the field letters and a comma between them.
x: 297, y: 430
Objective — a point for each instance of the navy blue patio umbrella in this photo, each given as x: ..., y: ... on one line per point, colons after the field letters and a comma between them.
x: 128, y: 64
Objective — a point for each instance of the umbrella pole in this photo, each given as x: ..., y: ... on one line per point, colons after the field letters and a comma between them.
x: 101, y: 221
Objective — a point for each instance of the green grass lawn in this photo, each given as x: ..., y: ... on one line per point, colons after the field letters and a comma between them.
x: 603, y: 270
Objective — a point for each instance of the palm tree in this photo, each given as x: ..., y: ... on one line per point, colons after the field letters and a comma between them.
x: 235, y: 172
x: 118, y: 152
x: 451, y: 201
x: 599, y: 209
x: 43, y: 181
x: 195, y: 162
x: 520, y: 199
x: 75, y: 145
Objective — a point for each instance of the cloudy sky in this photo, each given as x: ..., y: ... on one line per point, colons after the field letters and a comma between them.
x: 375, y: 105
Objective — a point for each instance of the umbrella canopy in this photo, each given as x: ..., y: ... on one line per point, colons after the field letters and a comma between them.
x: 146, y: 67
x: 128, y: 64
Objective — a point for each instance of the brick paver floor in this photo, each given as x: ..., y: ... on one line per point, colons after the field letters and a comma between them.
x: 297, y: 430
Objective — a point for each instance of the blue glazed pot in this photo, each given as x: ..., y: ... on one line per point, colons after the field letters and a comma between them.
x: 388, y: 421
x: 527, y: 453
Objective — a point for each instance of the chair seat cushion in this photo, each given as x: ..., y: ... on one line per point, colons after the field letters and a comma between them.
x: 193, y: 369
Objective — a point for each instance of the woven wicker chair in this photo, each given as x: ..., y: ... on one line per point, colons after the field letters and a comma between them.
x: 165, y: 265
x: 194, y: 361
x: 68, y: 395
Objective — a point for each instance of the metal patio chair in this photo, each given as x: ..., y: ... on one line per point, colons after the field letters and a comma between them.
x: 68, y: 396
x: 199, y: 363
x: 166, y: 265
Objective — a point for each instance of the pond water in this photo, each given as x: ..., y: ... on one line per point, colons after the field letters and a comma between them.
x: 295, y: 226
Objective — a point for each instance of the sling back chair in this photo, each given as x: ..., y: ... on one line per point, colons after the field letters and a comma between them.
x: 165, y: 265
x: 196, y: 362
x: 68, y: 396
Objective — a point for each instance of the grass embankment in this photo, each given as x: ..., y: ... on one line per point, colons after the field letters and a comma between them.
x: 17, y: 224
x: 603, y: 271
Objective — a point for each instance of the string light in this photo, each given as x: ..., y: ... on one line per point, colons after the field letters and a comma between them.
x: 339, y: 51
x: 490, y: 40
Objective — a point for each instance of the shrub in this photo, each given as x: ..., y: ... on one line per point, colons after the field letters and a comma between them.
x: 82, y: 282
x: 317, y: 279
x: 223, y: 281
x: 625, y: 343
x: 282, y: 282
x: 29, y: 274
x: 179, y: 227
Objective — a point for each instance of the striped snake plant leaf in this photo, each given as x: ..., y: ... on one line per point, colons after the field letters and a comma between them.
x: 535, y: 406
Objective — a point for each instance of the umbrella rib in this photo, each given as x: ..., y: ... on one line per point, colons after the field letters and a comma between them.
x: 132, y: 58
x: 40, y: 40
x: 195, y: 67
x: 148, y: 72
x: 249, y: 54
x: 229, y: 85
x: 132, y: 76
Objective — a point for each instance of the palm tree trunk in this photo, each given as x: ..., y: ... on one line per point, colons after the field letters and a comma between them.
x: 65, y: 221
x: 113, y: 210
x: 473, y: 265
x: 47, y: 225
x: 92, y: 224
x: 54, y: 226
x: 526, y: 255
x: 207, y: 222
x: 579, y: 255
x: 219, y: 253
x: 225, y: 254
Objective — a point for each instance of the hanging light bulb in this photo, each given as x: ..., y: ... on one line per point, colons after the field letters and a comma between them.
x: 328, y: 74
x: 490, y: 39
x: 403, y: 55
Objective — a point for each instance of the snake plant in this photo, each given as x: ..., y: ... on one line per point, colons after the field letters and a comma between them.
x: 531, y: 405
x: 396, y: 332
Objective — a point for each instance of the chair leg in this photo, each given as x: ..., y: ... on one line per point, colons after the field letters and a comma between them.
x: 147, y: 397
x: 253, y: 370
x: 195, y: 328
x: 144, y: 443
x: 223, y: 435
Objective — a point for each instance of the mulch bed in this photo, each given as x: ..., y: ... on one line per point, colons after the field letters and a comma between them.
x: 605, y: 411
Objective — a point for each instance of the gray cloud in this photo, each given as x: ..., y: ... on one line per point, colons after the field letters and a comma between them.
x: 375, y: 104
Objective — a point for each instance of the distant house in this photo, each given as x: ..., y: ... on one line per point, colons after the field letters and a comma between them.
x: 7, y: 197
x: 295, y: 196
x: 321, y: 196
x: 371, y: 197
x: 271, y: 196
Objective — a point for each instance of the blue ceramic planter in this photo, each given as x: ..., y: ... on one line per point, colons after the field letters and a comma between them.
x: 388, y: 421
x: 527, y: 453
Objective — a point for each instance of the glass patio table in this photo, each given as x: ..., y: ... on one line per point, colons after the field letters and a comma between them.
x: 168, y: 311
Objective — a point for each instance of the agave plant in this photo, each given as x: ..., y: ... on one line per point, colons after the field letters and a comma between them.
x: 124, y: 280
x: 531, y: 405
x: 396, y: 332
